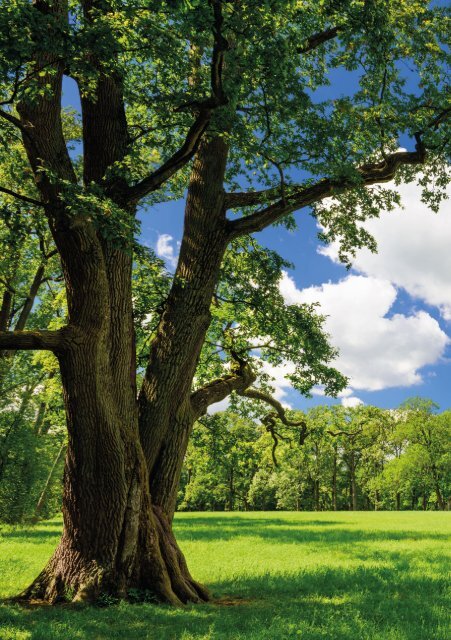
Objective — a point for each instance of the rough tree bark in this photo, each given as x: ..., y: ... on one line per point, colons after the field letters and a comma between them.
x: 113, y: 540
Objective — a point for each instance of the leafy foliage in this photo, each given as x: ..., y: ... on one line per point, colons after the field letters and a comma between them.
x: 390, y: 459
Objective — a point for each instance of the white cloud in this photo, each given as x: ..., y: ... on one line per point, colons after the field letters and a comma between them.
x: 348, y: 399
x: 165, y: 249
x: 346, y: 393
x: 351, y: 402
x: 318, y: 391
x: 279, y: 382
x: 376, y: 351
x: 216, y: 407
x: 413, y: 249
x: 290, y: 293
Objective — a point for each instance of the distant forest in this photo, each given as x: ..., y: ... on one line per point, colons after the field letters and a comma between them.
x: 337, y: 458
x: 333, y: 458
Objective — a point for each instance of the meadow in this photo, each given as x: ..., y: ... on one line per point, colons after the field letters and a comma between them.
x: 274, y: 576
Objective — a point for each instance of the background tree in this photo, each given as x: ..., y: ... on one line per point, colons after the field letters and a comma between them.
x: 314, y: 474
x: 429, y: 437
x: 220, y: 480
x: 237, y: 86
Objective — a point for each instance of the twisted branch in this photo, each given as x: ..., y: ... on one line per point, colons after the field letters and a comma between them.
x: 242, y: 376
x: 270, y: 420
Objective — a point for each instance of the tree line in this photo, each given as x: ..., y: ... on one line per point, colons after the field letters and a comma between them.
x: 333, y: 458
x: 361, y: 458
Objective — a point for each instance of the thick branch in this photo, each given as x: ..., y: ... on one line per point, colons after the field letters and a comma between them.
x: 350, y: 434
x: 319, y: 38
x: 372, y: 173
x: 218, y: 389
x: 270, y: 420
x: 218, y: 98
x: 257, y: 394
x: 29, y: 340
x: 11, y: 119
x: 175, y: 162
x: 30, y: 299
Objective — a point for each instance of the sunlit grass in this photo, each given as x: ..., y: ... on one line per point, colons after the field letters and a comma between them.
x: 275, y: 576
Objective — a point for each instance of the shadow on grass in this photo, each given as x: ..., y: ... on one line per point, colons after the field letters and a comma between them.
x: 323, y: 604
x: 289, y: 532
x: 387, y: 596
x: 32, y: 534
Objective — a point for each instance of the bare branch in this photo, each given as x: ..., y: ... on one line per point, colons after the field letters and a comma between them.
x: 20, y: 196
x: 298, y: 197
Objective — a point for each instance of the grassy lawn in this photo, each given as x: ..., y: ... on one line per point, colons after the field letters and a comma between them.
x: 276, y: 576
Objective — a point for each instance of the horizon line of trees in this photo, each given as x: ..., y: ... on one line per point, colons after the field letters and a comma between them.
x: 330, y: 458
x: 362, y: 458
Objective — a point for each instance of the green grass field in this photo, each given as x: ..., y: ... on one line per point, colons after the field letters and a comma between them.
x: 275, y: 576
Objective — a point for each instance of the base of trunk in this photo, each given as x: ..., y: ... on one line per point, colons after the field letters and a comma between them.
x: 186, y: 588
x: 158, y: 573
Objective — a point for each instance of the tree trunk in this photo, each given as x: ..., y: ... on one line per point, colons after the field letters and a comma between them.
x: 43, y: 496
x: 15, y: 422
x: 167, y: 415
x: 334, y: 483
x: 352, y: 484
x: 165, y: 397
x: 231, y: 490
x: 398, y: 501
x: 113, y: 540
x: 116, y: 537
x: 5, y: 310
x: 316, y: 494
x: 438, y: 493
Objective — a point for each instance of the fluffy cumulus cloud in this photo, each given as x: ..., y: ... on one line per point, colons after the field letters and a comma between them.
x: 377, y: 351
x: 413, y: 250
x: 167, y: 249
x: 278, y: 381
x: 348, y: 399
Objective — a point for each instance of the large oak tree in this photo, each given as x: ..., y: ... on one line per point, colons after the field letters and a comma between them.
x: 243, y: 90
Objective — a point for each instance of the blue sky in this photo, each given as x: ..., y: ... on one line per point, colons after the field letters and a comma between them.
x: 390, y: 315
x: 399, y: 301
